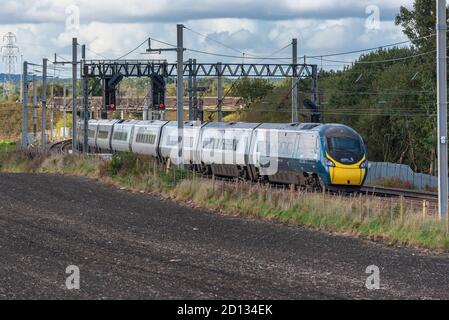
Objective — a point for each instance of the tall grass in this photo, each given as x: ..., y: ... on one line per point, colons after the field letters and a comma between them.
x: 393, y: 221
x: 367, y: 216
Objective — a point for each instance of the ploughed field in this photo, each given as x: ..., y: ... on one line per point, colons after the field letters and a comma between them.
x: 130, y: 245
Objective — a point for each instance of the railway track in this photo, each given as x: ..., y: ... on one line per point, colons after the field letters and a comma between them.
x: 396, y: 192
x: 61, y: 147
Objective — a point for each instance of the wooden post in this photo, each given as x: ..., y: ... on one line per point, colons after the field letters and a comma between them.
x: 361, y: 208
x: 167, y: 167
x: 391, y: 211
x: 402, y: 208
x: 154, y: 168
x: 292, y: 191
x: 424, y: 208
x: 369, y: 205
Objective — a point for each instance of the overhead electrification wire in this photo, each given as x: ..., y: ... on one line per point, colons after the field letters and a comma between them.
x: 136, y: 48
x: 368, y: 49
x: 96, y: 53
x: 378, y: 61
x: 214, y: 40
x: 163, y: 42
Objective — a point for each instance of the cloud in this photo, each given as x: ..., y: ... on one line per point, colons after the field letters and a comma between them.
x: 148, y: 11
x: 112, y: 28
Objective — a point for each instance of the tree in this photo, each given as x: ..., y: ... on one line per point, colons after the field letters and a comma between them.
x: 251, y: 90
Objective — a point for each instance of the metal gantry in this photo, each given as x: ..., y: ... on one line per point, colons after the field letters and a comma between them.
x: 192, y: 69
x: 145, y: 68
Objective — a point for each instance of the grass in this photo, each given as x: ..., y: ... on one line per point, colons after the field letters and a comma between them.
x: 6, y: 145
x: 374, y: 218
x: 395, y: 183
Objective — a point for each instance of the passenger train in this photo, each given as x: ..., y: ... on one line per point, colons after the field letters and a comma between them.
x: 312, y: 155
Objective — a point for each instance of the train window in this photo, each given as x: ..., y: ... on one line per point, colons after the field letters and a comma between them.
x: 307, y: 147
x: 343, y: 143
x: 347, y: 150
x: 285, y: 149
x: 187, y: 141
x: 230, y: 144
x: 172, y: 140
x: 209, y: 143
x: 263, y: 147
x: 120, y: 135
x: 146, y: 138
x: 91, y: 133
x: 102, y: 134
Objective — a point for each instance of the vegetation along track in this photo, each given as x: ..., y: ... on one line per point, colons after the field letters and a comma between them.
x: 414, y: 198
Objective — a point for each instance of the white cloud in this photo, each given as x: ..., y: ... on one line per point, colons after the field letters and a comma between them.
x: 113, y: 27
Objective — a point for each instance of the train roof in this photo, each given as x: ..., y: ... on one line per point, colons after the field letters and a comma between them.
x: 130, y: 121
x: 105, y: 121
x: 156, y: 123
x: 232, y: 125
x: 187, y: 123
x: 294, y: 126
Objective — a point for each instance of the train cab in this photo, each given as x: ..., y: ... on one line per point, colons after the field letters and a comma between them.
x: 345, y: 155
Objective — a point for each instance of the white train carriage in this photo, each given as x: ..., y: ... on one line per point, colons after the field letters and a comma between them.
x: 92, y: 129
x: 225, y: 146
x: 80, y: 133
x: 284, y: 153
x: 92, y: 132
x: 104, y: 134
x: 146, y: 137
x: 122, y: 135
x: 169, y: 142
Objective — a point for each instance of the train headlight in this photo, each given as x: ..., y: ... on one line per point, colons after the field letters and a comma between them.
x: 363, y: 165
x: 329, y: 163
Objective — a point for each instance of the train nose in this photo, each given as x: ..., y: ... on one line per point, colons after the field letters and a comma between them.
x: 346, y: 176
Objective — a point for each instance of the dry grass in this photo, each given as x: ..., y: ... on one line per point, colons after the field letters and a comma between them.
x: 358, y: 215
x: 395, y: 183
x: 371, y: 217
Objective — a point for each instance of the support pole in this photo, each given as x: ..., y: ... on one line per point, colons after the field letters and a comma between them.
x: 25, y: 105
x: 52, y: 110
x: 190, y: 88
x: 85, y: 103
x: 21, y: 79
x: 294, y: 81
x: 44, y: 104
x: 147, y: 105
x: 74, y: 93
x: 314, y: 97
x: 195, y: 92
x: 64, y: 112
x: 34, y: 113
x: 103, y: 111
x: 180, y: 90
x: 219, y: 92
x: 442, y: 109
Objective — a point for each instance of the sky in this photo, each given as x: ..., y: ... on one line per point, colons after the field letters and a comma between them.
x: 258, y: 28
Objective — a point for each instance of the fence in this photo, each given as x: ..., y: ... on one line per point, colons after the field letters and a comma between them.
x: 378, y: 171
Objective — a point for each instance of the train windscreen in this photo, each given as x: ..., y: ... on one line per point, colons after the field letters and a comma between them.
x: 344, y: 146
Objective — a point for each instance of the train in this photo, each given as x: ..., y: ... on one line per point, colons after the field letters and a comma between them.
x: 309, y: 155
